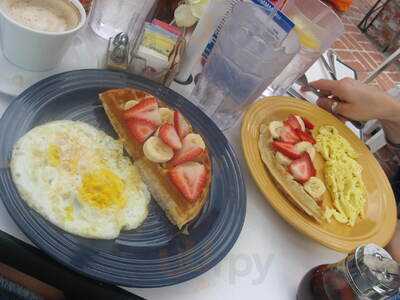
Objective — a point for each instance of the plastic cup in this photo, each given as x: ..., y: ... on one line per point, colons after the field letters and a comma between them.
x: 246, y: 58
x: 108, y: 18
x: 317, y: 27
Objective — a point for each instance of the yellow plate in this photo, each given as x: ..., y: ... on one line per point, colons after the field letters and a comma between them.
x: 380, y: 221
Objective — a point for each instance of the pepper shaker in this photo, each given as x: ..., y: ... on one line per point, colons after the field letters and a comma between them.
x: 117, y: 56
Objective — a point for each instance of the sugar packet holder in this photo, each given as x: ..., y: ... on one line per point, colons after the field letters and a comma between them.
x: 152, y: 65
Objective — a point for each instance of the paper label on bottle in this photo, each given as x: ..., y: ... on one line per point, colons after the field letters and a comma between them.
x: 281, y: 25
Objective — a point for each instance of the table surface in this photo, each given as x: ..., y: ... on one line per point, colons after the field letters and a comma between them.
x: 269, y: 257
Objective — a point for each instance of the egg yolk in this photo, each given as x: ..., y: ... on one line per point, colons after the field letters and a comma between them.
x: 54, y: 155
x: 102, y: 189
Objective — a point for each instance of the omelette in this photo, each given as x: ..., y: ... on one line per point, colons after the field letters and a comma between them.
x: 77, y: 177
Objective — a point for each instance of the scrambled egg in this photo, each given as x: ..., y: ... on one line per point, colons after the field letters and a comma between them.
x: 342, y: 176
x: 78, y: 178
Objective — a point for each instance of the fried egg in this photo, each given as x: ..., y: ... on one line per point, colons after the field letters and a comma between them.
x: 77, y: 177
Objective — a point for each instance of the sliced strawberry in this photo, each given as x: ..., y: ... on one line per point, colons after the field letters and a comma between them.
x: 141, y: 94
x: 145, y: 105
x: 188, y: 152
x: 293, y: 122
x: 152, y: 116
x: 305, y: 136
x: 140, y: 130
x: 302, y: 168
x: 287, y: 135
x: 181, y: 125
x: 308, y: 124
x: 286, y: 149
x: 190, y: 178
x: 170, y: 137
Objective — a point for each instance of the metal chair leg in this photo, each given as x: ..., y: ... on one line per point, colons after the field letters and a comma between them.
x: 393, y: 57
x: 377, y: 8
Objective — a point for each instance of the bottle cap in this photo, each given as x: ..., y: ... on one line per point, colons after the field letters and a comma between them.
x: 372, y: 272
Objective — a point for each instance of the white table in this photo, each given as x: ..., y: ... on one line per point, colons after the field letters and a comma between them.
x: 267, y: 261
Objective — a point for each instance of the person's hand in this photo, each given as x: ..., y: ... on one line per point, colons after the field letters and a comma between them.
x: 354, y: 100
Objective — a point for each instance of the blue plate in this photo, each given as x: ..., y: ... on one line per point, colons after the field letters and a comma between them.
x: 156, y: 254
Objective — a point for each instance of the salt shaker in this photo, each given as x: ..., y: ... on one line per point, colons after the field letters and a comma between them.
x: 369, y: 272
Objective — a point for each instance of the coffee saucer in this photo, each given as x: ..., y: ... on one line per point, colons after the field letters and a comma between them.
x: 86, y: 52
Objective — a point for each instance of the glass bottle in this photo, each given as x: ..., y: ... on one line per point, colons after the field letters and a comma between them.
x: 369, y: 272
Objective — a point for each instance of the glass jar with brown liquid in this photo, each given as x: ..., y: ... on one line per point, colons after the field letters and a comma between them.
x: 367, y: 273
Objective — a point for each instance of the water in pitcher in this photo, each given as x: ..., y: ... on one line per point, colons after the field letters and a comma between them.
x: 250, y: 52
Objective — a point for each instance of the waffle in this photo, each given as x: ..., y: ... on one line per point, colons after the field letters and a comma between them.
x: 176, y: 207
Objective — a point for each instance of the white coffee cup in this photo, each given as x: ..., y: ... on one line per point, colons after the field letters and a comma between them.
x: 36, y: 50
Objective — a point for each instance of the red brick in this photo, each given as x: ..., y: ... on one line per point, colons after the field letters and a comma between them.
x: 339, y: 45
x: 368, y: 46
x: 358, y: 55
x: 362, y: 75
x: 373, y: 82
x: 346, y: 20
x: 355, y: 18
x: 356, y: 8
x: 353, y: 41
x: 347, y: 42
x: 388, y: 79
x: 393, y: 68
x: 395, y: 76
x: 345, y: 55
x: 363, y: 5
x: 359, y: 37
x: 377, y: 57
x: 385, y: 82
x: 351, y: 14
x: 356, y: 66
x: 370, y: 60
x: 381, y: 84
x: 351, y: 28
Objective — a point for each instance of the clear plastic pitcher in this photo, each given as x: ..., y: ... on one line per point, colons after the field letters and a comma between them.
x: 317, y: 27
x: 251, y: 50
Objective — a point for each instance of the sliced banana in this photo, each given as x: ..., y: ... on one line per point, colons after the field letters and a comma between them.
x: 274, y: 127
x: 314, y: 187
x: 301, y: 122
x: 282, y: 159
x: 195, y: 139
x: 305, y: 147
x: 167, y: 115
x: 129, y: 104
x: 156, y: 151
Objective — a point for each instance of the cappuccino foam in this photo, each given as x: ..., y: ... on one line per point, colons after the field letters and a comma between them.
x: 43, y: 15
